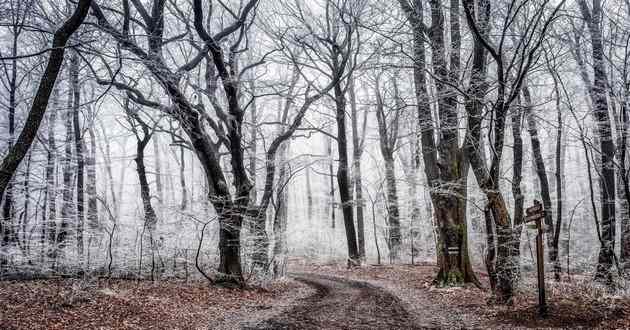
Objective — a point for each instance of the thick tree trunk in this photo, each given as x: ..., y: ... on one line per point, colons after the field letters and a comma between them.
x: 607, y: 148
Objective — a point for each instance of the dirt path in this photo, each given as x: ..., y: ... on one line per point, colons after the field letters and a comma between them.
x: 342, y: 304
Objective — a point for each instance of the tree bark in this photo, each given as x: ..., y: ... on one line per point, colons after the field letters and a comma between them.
x: 607, y: 148
x: 343, y: 177
x: 51, y: 175
x: 281, y: 213
x: 92, y: 207
x: 445, y: 163
x: 78, y: 150
x: 388, y: 137
x: 358, y: 139
x: 517, y: 177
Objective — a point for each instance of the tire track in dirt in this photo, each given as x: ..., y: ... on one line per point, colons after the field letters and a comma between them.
x: 342, y: 304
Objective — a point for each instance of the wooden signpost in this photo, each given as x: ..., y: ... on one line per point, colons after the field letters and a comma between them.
x: 536, y: 214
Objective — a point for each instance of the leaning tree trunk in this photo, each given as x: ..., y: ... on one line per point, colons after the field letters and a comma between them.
x: 541, y: 171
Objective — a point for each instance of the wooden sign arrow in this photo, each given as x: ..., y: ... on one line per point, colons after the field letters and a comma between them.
x: 534, y: 216
x: 537, y: 208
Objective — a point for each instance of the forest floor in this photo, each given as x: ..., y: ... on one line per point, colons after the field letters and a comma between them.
x: 130, y: 304
x: 313, y: 297
x: 572, y: 305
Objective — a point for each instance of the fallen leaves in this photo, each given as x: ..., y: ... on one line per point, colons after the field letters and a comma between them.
x: 127, y: 304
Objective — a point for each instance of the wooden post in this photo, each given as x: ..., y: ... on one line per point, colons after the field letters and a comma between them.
x: 540, y: 260
x: 536, y: 214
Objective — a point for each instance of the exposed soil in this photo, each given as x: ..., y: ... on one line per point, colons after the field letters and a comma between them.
x: 575, y: 304
x: 342, y: 304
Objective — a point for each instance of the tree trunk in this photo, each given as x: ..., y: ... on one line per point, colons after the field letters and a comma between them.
x: 281, y: 214
x: 182, y: 179
x: 607, y: 148
x: 343, y: 177
x: 488, y: 180
x: 150, y: 217
x: 78, y: 149
x: 331, y: 182
x: 67, y: 213
x: 559, y: 176
x: 51, y: 174
x: 158, y: 169
x: 357, y: 151
x: 92, y: 207
x: 517, y: 176
x: 309, y: 196
x: 393, y: 213
x: 541, y: 171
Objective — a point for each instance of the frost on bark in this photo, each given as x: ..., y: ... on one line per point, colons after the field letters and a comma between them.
x: 388, y: 124
x: 598, y: 89
x: 446, y: 165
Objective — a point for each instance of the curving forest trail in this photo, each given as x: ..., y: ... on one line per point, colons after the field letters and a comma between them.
x: 342, y: 304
